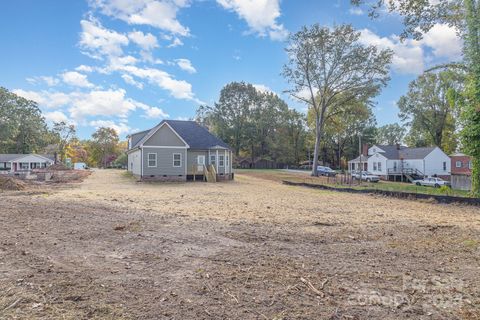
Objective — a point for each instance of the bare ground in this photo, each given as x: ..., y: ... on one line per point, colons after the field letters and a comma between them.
x: 112, y: 248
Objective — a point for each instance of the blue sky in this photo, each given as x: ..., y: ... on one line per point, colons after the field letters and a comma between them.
x: 128, y: 64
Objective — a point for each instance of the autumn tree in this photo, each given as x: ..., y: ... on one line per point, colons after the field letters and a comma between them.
x: 328, y: 68
x: 63, y: 133
x: 104, y: 145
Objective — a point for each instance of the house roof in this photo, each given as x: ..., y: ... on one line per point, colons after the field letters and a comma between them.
x: 401, y: 152
x: 196, y: 136
x: 15, y: 156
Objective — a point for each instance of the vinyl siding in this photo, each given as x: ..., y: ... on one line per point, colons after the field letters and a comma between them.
x: 164, y: 137
x: 192, y: 159
x: 134, y: 161
x: 164, y: 162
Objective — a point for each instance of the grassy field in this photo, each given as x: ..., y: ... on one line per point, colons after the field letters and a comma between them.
x: 279, y: 175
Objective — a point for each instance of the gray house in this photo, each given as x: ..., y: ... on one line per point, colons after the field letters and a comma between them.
x: 177, y: 151
x: 15, y: 163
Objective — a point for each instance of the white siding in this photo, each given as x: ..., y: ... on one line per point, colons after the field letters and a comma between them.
x: 376, y: 158
x: 134, y: 163
x: 434, y: 163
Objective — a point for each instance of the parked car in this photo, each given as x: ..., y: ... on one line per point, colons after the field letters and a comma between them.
x: 431, y: 182
x: 365, y: 176
x: 326, y: 171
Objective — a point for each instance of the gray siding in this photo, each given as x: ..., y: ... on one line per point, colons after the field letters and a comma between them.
x: 192, y: 159
x: 136, y: 137
x: 164, y: 162
x: 164, y: 137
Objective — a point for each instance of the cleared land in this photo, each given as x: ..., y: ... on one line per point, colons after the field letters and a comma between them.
x: 249, y: 249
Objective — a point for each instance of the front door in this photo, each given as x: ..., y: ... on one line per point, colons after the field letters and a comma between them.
x: 200, y: 163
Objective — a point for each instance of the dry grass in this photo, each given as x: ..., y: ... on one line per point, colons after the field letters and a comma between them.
x: 112, y: 247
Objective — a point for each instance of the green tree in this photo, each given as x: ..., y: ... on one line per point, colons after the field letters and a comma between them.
x: 328, y: 68
x: 430, y: 109
x: 390, y: 134
x: 22, y: 127
x: 104, y: 145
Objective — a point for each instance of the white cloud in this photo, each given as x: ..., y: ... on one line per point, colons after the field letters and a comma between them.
x: 81, y: 105
x: 145, y: 41
x: 155, y: 113
x: 98, y: 41
x: 356, y: 11
x: 121, y: 128
x: 160, y: 14
x: 76, y: 79
x: 186, y: 65
x: 408, y: 55
x: 179, y: 89
x: 45, y: 98
x: 100, y: 103
x: 260, y: 15
x: 175, y: 43
x: 84, y: 68
x: 49, y: 81
x: 444, y: 42
x: 56, y: 116
x: 130, y: 80
x: 263, y: 88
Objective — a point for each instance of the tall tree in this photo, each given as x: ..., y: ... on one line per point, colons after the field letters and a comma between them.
x: 105, y: 141
x: 22, y: 127
x: 329, y: 67
x: 418, y: 18
x: 431, y: 110
x: 63, y: 134
x: 390, y: 134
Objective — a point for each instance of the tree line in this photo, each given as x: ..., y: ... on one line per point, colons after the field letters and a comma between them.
x: 23, y: 129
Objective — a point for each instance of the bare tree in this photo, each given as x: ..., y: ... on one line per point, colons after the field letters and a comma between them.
x: 328, y: 68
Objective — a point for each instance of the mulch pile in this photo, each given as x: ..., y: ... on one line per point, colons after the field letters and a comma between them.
x: 9, y: 183
x: 58, y: 167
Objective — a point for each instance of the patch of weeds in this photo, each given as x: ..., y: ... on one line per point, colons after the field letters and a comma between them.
x: 471, y: 243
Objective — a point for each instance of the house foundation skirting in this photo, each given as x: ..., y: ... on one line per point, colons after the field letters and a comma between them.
x: 165, y: 178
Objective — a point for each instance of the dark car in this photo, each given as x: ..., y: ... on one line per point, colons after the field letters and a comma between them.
x: 326, y: 171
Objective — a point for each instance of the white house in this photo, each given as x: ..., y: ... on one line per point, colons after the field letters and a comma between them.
x: 397, y: 162
x: 24, y: 162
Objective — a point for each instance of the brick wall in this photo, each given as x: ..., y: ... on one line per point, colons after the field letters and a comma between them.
x: 464, y: 169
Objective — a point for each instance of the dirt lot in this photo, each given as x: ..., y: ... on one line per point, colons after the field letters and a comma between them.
x: 112, y: 248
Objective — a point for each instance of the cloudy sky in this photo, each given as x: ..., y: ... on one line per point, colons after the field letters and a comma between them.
x: 128, y: 64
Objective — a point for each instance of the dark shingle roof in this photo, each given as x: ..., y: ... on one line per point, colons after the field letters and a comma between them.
x: 394, y: 152
x: 14, y: 156
x: 196, y: 136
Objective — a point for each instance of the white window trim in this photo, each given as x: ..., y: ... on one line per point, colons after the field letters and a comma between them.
x: 458, y: 164
x: 173, y: 158
x: 214, y: 159
x: 148, y: 160
x: 221, y: 163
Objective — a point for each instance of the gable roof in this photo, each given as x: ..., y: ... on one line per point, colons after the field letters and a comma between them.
x: 14, y: 156
x: 196, y: 136
x: 394, y: 152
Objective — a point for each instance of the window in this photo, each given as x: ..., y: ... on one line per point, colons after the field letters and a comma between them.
x: 213, y: 159
x: 444, y: 166
x: 177, y: 159
x: 44, y: 164
x: 221, y: 160
x: 458, y: 164
x: 23, y: 165
x: 227, y: 161
x: 379, y: 166
x: 152, y: 160
x: 395, y: 166
x: 131, y: 166
x: 374, y: 166
x: 470, y: 164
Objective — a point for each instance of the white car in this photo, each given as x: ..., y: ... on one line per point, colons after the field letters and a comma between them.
x: 431, y: 182
x: 366, y: 176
